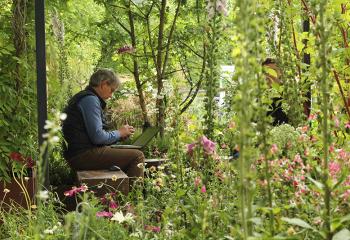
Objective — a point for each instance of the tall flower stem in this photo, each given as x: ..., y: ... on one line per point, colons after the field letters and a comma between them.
x: 247, y: 71
x: 325, y: 99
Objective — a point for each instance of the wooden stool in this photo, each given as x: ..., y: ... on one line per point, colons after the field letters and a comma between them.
x: 104, y: 181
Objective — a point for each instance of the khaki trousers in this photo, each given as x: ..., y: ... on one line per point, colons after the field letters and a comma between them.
x: 104, y: 157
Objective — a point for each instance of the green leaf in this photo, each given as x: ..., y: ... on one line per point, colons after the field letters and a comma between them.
x: 297, y: 222
x: 342, y: 235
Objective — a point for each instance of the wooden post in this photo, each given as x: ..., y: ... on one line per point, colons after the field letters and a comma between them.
x: 41, y: 80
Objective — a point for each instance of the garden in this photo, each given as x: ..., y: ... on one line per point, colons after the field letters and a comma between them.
x: 251, y: 99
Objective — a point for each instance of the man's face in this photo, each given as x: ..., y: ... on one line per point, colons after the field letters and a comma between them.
x: 107, y: 90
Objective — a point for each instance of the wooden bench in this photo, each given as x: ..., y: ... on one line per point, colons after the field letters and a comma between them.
x: 104, y: 181
x: 155, y: 162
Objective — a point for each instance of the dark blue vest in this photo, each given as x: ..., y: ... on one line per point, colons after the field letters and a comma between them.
x: 73, y: 127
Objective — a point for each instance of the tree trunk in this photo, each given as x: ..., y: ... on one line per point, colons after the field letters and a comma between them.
x: 160, y: 104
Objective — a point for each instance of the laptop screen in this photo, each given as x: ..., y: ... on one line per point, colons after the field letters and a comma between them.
x: 146, y: 136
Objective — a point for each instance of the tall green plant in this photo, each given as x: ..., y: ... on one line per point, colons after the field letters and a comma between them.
x: 247, y: 63
x: 212, y: 74
x: 322, y: 64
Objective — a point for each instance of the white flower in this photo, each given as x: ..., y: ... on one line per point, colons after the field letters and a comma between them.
x: 48, y: 231
x: 55, y: 139
x: 63, y: 116
x: 49, y: 124
x: 120, y: 218
x: 114, y: 178
x: 44, y: 195
x: 6, y: 190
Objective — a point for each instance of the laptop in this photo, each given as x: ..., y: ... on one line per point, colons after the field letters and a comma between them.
x: 141, y: 141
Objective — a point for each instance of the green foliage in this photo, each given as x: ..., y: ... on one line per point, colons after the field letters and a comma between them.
x: 17, y: 95
x: 286, y: 138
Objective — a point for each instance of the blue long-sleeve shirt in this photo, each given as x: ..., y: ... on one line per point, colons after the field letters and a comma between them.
x: 91, y: 110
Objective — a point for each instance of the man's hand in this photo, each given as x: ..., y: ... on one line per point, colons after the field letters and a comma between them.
x: 125, y: 131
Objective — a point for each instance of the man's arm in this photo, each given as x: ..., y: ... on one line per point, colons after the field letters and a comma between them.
x: 91, y: 111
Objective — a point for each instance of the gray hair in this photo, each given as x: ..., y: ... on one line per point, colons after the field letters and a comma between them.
x: 103, y: 75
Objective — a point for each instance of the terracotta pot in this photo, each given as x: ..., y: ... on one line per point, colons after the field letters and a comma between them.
x: 16, y: 196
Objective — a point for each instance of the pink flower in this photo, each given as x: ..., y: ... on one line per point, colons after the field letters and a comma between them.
x: 75, y: 190
x: 312, y: 116
x: 346, y: 195
x: 16, y: 156
x: 197, y: 181
x: 336, y: 122
x: 297, y: 159
x: 154, y: 229
x: 190, y: 148
x: 30, y: 162
x: 203, y: 189
x: 125, y: 49
x: 334, y: 168
x: 208, y: 146
x: 342, y: 154
x: 113, y: 204
x: 104, y: 214
x: 331, y: 148
x: 274, y: 149
x: 304, y: 129
x: 347, y: 125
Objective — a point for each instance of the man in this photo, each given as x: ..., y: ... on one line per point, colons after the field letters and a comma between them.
x: 85, y: 131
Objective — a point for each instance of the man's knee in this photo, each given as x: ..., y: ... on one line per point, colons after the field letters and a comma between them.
x: 139, y: 156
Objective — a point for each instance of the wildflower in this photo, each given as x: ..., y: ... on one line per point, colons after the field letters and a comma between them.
x: 208, y: 146
x: 6, y: 190
x: 312, y: 116
x: 113, y: 204
x: 346, y: 195
x: 44, y: 195
x: 160, y: 167
x: 274, y: 149
x: 203, y: 189
x: 16, y: 156
x: 334, y: 168
x: 154, y: 229
x: 26, y: 179
x: 347, y: 125
x: 48, y: 231
x: 158, y: 182
x: 33, y: 206
x: 114, y: 178
x: 63, y: 116
x: 190, y: 148
x: 152, y: 169
x: 120, y: 218
x: 342, y: 154
x: 75, y: 190
x: 126, y: 49
x: 104, y: 214
x: 304, y: 129
x: 336, y: 122
x: 197, y: 181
